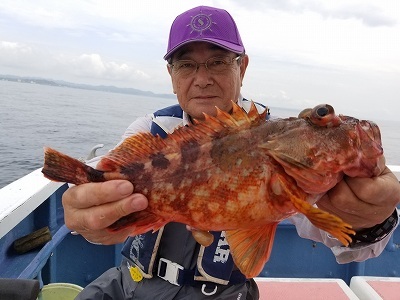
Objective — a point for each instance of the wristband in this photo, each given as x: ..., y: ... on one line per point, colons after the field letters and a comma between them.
x: 376, y: 233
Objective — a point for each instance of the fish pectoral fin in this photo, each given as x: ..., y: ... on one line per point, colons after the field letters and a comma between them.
x: 321, y: 219
x: 140, y: 222
x: 326, y: 221
x: 203, y: 237
x: 251, y: 248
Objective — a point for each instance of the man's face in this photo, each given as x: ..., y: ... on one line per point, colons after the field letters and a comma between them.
x: 203, y: 90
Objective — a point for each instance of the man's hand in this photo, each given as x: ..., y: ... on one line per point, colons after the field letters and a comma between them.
x: 363, y: 202
x: 90, y: 208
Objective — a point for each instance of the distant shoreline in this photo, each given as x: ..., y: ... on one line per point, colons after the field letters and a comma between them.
x: 103, y: 88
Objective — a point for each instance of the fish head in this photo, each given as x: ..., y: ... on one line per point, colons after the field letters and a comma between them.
x: 319, y: 147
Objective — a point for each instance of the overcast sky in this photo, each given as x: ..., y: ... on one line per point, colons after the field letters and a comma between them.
x: 302, y: 53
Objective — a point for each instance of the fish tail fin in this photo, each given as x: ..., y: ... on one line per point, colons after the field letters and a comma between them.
x: 141, y: 222
x: 251, y: 248
x: 60, y: 167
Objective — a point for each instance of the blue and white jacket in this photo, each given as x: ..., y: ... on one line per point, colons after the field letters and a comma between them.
x: 213, y: 263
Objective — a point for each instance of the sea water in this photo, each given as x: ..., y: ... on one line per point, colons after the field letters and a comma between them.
x: 74, y: 120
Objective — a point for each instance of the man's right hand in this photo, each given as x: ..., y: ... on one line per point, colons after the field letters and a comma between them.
x: 90, y: 208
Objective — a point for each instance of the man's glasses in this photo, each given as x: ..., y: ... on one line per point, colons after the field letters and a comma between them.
x: 215, y: 65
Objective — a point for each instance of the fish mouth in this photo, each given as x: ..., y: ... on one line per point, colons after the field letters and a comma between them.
x: 370, y: 139
x: 372, y: 130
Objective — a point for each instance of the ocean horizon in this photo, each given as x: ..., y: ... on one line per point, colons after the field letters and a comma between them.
x: 72, y: 121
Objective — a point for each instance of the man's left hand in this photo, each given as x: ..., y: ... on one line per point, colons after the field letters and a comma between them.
x: 363, y: 202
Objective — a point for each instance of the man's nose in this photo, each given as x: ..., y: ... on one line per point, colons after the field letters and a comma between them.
x: 201, y: 64
x: 202, y: 76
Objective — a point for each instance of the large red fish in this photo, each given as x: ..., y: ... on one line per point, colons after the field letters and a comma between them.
x: 236, y: 172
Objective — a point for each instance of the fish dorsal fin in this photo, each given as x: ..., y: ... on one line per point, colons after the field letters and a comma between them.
x: 255, y: 115
x: 133, y: 149
x: 252, y: 118
x: 251, y: 248
x: 237, y: 119
x: 143, y: 146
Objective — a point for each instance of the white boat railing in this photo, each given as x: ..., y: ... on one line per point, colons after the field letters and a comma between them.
x: 21, y: 197
x: 395, y: 170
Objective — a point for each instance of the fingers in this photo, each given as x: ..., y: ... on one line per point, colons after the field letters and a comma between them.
x: 102, y: 216
x: 106, y: 238
x: 363, y: 202
x: 382, y: 190
x: 90, y: 194
x: 90, y: 209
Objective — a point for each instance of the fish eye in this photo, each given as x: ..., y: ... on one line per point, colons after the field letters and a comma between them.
x: 322, y: 111
x: 324, y: 115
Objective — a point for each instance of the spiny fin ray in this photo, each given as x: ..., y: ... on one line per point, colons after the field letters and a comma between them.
x: 140, y: 146
x: 251, y: 248
x: 321, y: 219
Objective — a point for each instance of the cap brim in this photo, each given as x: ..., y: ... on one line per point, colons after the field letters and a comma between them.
x: 223, y: 44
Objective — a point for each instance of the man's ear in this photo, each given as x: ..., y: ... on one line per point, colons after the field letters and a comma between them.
x: 243, y: 66
x: 169, y: 68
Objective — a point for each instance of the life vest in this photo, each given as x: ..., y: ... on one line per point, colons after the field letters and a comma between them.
x: 214, y: 263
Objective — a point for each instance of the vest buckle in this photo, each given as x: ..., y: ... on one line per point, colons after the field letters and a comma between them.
x: 169, y: 271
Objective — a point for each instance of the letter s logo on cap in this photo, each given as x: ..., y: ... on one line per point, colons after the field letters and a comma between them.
x: 201, y: 22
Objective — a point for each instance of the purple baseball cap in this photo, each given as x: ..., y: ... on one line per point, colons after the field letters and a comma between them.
x: 204, y: 24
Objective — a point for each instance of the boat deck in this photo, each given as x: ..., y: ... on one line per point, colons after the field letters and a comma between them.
x: 361, y: 287
x: 298, y: 267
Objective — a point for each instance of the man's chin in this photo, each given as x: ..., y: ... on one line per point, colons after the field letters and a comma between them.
x: 198, y: 111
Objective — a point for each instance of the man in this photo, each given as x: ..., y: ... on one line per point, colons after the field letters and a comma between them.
x: 207, y: 63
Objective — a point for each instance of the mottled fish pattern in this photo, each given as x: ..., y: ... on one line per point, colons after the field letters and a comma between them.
x: 236, y: 172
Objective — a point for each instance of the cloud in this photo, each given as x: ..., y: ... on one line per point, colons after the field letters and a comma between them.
x: 369, y: 15
x: 10, y: 46
x: 16, y: 55
x: 42, y: 14
x: 301, y: 52
x: 93, y: 65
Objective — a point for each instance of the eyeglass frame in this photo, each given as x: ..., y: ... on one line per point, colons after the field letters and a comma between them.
x: 232, y: 60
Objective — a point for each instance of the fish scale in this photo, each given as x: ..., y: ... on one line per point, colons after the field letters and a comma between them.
x: 238, y: 173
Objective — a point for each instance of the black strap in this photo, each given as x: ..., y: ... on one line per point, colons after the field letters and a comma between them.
x: 377, y: 232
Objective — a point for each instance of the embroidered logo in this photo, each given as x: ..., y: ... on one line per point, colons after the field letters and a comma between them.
x: 136, y: 245
x: 201, y: 22
x: 222, y: 252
